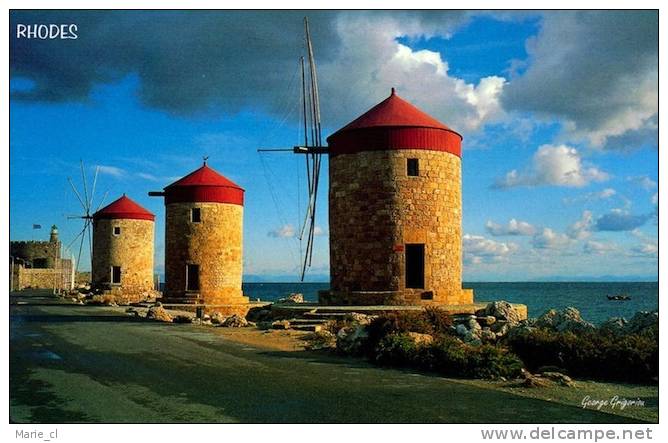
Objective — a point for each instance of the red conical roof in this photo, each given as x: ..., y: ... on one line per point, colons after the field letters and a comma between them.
x: 123, y: 208
x: 394, y: 111
x: 204, y: 185
x: 394, y: 124
x: 204, y: 176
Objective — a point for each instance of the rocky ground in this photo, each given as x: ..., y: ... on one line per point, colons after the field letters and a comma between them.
x: 487, y: 326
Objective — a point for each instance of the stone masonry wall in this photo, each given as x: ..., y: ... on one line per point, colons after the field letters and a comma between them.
x: 132, y: 250
x: 32, y: 250
x: 58, y: 277
x: 215, y: 244
x: 376, y: 208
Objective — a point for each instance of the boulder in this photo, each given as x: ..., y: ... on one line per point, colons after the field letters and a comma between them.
x: 473, y: 324
x: 234, y: 321
x: 158, y: 313
x: 614, y: 325
x: 421, y: 339
x: 350, y: 339
x: 536, y: 382
x: 524, y: 374
x: 559, y: 378
x: 292, y: 299
x: 487, y: 320
x: 216, y: 318
x: 567, y: 320
x: 642, y: 321
x: 461, y: 330
x: 359, y: 319
x: 502, y: 310
x: 522, y: 328
x: 182, y: 318
x: 472, y: 337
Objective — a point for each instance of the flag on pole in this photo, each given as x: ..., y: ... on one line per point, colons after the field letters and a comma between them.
x: 37, y: 226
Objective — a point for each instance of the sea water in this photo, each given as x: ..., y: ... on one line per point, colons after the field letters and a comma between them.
x: 588, y: 297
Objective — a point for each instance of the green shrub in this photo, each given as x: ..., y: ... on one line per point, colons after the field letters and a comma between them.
x: 595, y: 354
x: 396, y: 323
x: 396, y: 350
x: 448, y: 356
x: 451, y: 357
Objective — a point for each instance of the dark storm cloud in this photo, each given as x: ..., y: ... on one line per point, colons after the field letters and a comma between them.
x: 187, y: 61
x: 200, y: 61
x: 598, y: 70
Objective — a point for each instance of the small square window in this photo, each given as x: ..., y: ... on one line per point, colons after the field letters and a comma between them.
x: 117, y: 230
x: 195, y: 215
x: 413, y: 167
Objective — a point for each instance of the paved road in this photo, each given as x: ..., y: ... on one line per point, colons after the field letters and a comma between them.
x: 73, y: 363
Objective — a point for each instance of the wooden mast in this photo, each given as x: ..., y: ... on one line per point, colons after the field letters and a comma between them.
x: 312, y: 148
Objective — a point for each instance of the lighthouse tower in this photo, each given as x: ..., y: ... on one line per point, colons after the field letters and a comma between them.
x: 123, y: 250
x: 395, y: 209
x: 203, y: 239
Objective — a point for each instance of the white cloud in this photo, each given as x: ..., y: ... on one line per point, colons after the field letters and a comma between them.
x: 581, y: 229
x: 147, y: 176
x: 648, y: 247
x: 643, y: 181
x: 371, y: 60
x: 597, y: 71
x: 112, y: 171
x: 548, y: 239
x: 591, y: 196
x: 599, y: 248
x: 551, y: 165
x: 649, y: 250
x: 655, y: 198
x: 285, y: 231
x: 289, y: 231
x: 478, y: 249
x: 513, y: 227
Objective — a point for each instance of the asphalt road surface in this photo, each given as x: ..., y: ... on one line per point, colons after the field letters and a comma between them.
x: 71, y: 363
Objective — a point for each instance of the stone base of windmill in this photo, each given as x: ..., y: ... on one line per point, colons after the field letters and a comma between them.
x: 225, y: 303
x: 396, y: 298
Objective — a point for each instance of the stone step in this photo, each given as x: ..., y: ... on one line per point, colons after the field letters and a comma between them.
x: 307, y: 321
x: 306, y: 327
x: 325, y: 315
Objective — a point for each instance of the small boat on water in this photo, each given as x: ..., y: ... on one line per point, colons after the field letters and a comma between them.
x: 619, y: 297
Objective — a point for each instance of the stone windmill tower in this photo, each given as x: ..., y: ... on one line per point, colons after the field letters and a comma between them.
x: 122, y: 262
x: 203, y: 239
x: 395, y: 209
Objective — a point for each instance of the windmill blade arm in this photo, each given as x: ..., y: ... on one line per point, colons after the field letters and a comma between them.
x: 76, y: 238
x: 104, y: 197
x: 92, y: 192
x: 85, y: 187
x: 76, y: 193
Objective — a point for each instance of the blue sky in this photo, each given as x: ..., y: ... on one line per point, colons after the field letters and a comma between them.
x: 560, y: 160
